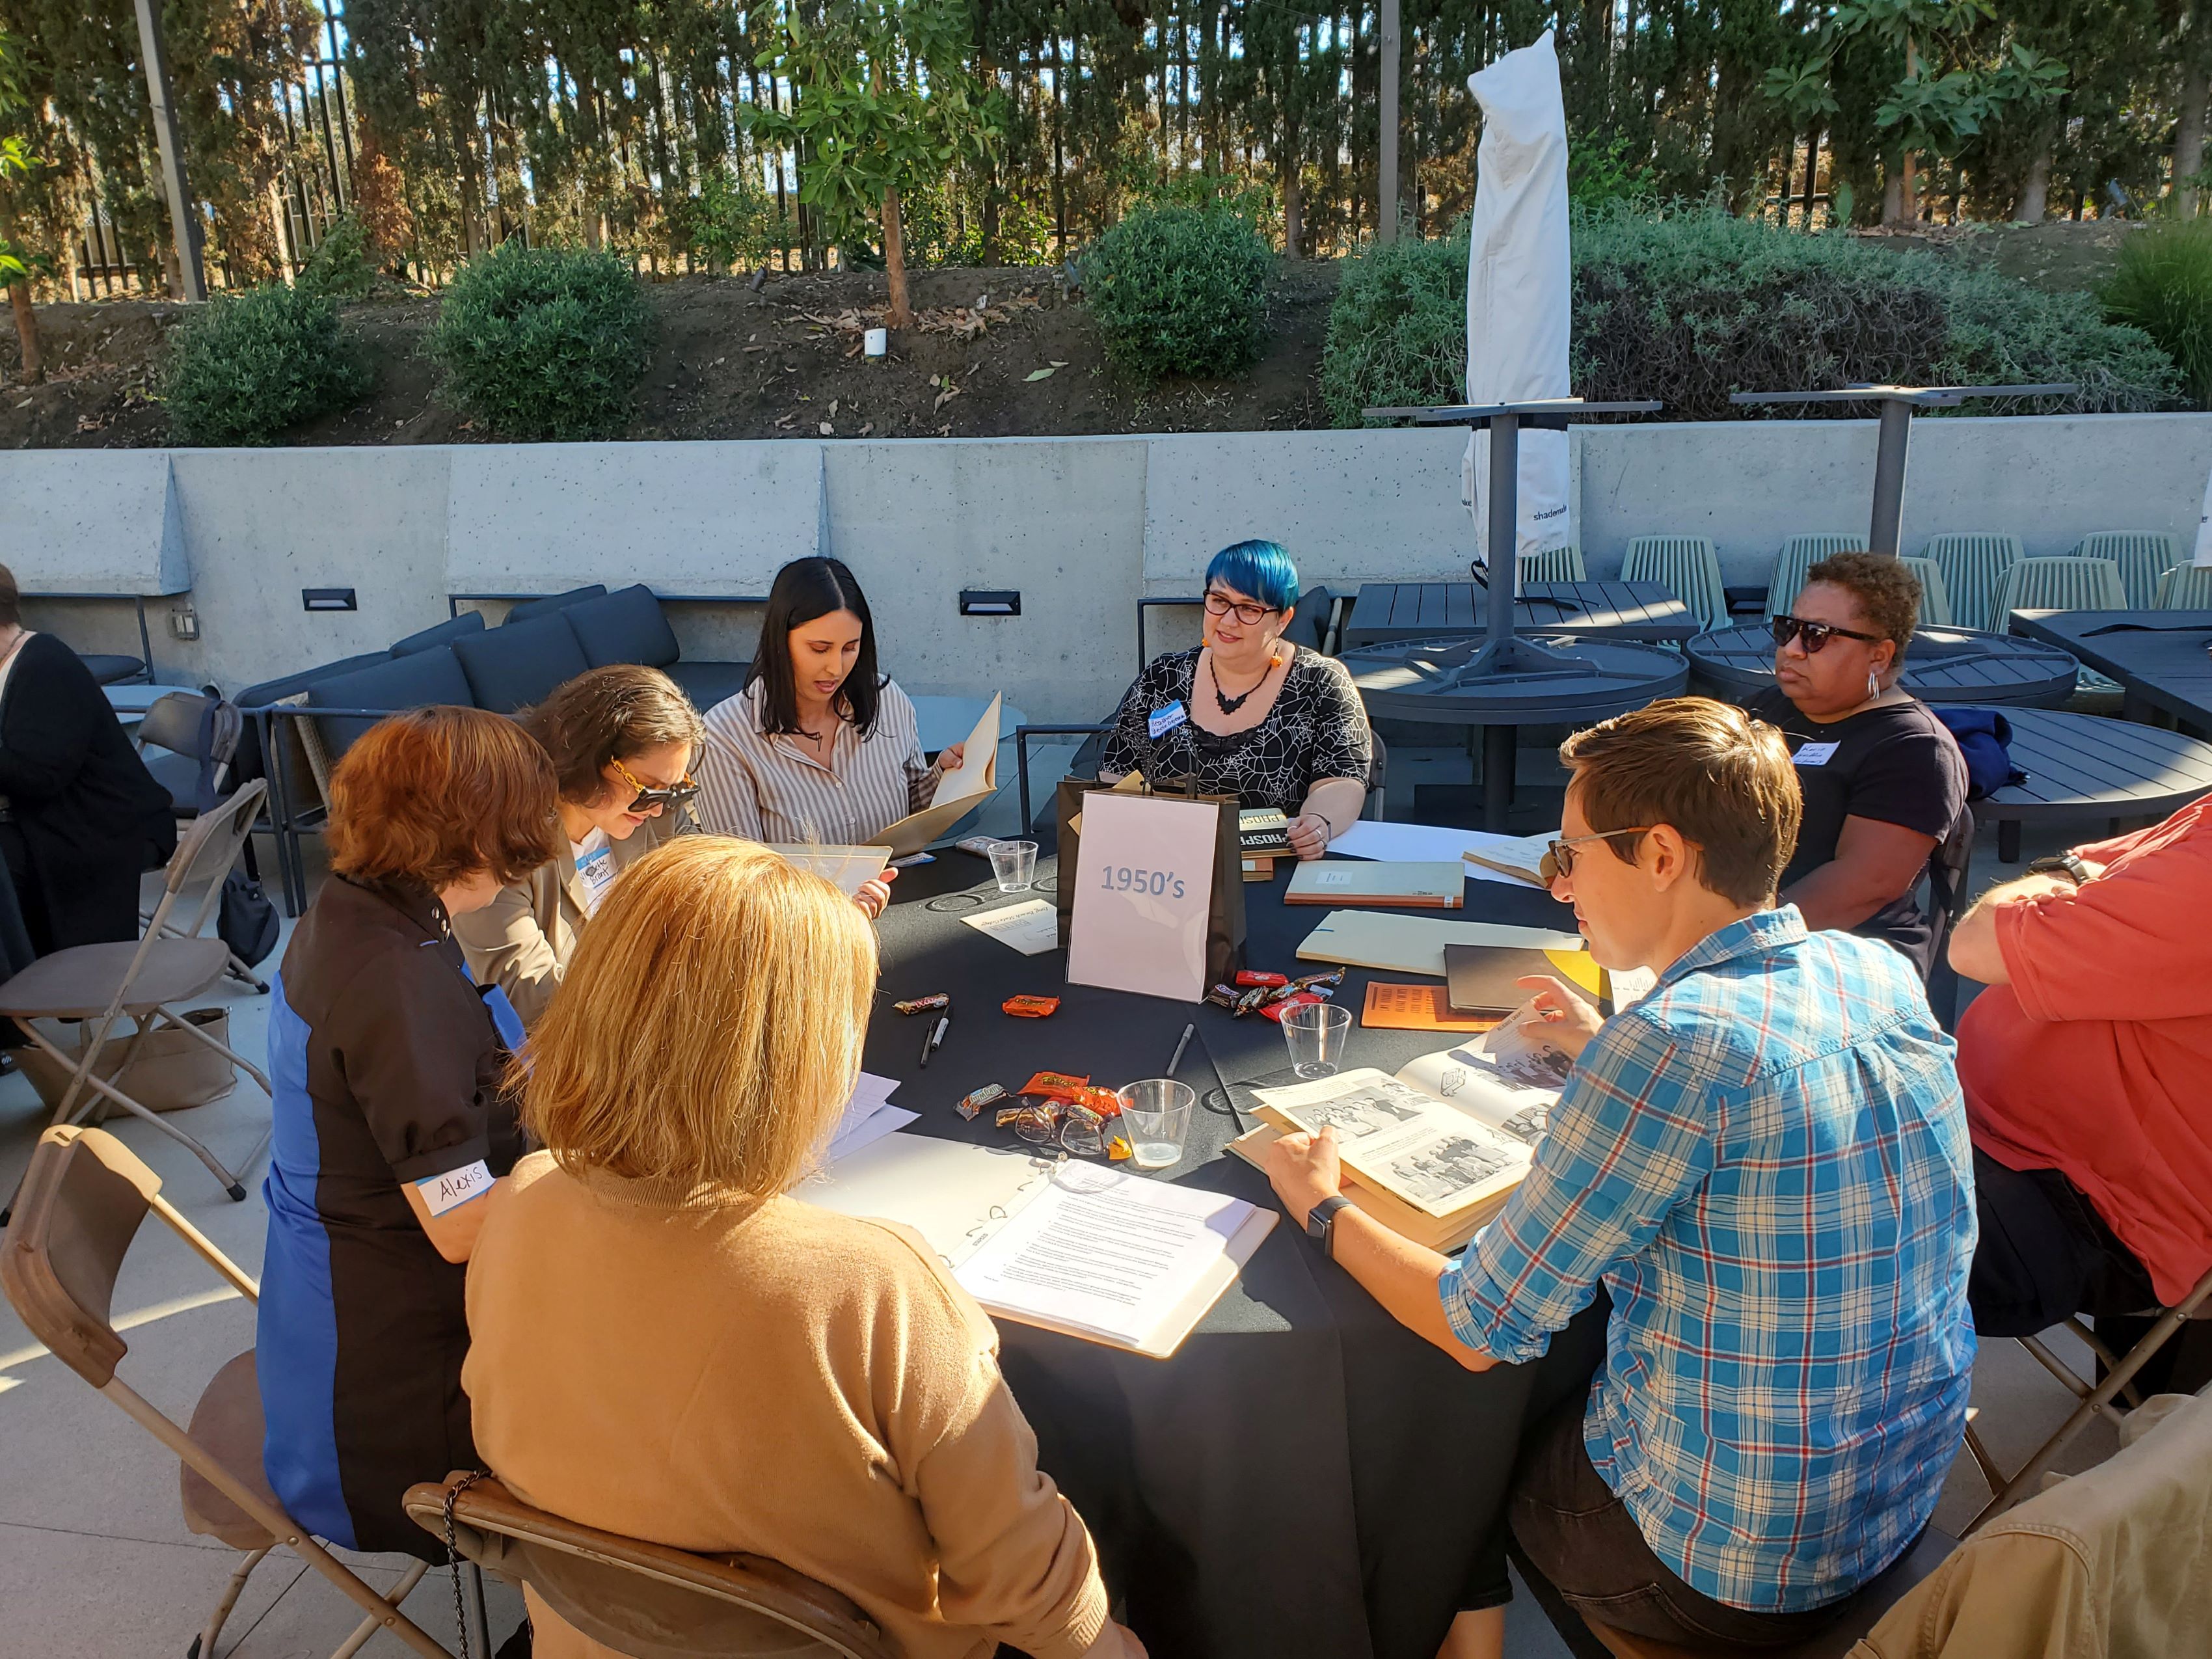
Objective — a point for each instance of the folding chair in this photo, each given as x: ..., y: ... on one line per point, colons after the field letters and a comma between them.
x: 1687, y: 567
x: 83, y: 1199
x: 1974, y: 567
x: 100, y: 983
x: 2185, y: 588
x: 2096, y: 1397
x: 1799, y: 554
x: 2143, y: 556
x: 645, y: 1600
x: 193, y: 765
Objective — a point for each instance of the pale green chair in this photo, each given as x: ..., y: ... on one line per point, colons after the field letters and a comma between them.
x: 1974, y: 567
x: 1799, y: 554
x: 1561, y: 564
x: 2067, y: 584
x: 1935, y: 598
x: 2185, y: 588
x: 2143, y: 557
x: 1687, y: 567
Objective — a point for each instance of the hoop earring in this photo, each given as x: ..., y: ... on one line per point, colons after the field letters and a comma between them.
x: 1873, y: 685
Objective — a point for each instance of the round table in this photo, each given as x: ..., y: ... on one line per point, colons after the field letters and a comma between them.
x: 1305, y: 1474
x: 2081, y: 766
x: 1944, y: 664
x: 1561, y: 681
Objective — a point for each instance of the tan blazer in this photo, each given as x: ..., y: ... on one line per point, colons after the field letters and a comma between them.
x: 522, y: 939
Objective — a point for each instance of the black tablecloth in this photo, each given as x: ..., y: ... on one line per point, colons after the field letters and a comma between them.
x: 1305, y: 1475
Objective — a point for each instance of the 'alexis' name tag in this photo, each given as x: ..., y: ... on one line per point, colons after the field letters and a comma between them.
x: 1161, y: 721
x: 1816, y: 753
x: 455, y: 1188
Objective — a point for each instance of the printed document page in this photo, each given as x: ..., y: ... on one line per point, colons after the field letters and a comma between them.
x: 1114, y: 1264
x: 1405, y: 1140
x: 1032, y: 928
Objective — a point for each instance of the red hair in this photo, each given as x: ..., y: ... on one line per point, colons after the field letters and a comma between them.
x: 437, y: 794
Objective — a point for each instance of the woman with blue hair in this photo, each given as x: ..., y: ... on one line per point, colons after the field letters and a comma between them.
x: 1250, y: 713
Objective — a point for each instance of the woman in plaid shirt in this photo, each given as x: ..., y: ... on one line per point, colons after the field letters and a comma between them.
x: 1763, y: 1164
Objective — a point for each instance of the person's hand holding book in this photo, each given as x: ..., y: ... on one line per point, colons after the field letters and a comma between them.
x: 1303, y: 1169
x: 1569, y: 1020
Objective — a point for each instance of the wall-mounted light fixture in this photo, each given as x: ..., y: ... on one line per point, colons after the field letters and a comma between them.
x: 328, y: 598
x: 990, y: 602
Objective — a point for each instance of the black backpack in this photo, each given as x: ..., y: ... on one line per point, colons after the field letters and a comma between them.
x: 245, y: 921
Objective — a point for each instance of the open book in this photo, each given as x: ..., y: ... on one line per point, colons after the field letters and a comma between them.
x: 1433, y: 1152
x: 959, y: 792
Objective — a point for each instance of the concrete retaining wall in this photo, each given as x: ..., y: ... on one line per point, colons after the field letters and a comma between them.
x: 1081, y: 526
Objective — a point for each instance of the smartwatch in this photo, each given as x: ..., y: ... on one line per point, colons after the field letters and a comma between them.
x: 1320, y: 1223
x: 2064, y: 865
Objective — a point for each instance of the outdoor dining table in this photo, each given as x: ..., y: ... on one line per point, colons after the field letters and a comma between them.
x: 1388, y: 612
x: 2162, y: 659
x: 2084, y: 770
x: 1304, y: 1475
x: 1943, y: 664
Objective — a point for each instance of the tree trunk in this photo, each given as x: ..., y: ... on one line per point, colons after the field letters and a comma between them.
x: 1893, y: 197
x: 1812, y: 175
x: 2189, y: 129
x: 2035, y: 193
x: 1293, y: 202
x: 26, y: 333
x: 894, y: 260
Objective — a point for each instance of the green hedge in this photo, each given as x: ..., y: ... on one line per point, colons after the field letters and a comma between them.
x: 1180, y: 291
x: 2163, y: 286
x: 1688, y: 304
x: 247, y: 366
x: 544, y: 343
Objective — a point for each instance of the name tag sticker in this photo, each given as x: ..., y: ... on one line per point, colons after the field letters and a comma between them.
x: 1161, y: 721
x: 455, y: 1188
x: 1816, y: 753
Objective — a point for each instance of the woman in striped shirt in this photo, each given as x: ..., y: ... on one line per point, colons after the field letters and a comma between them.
x: 820, y: 746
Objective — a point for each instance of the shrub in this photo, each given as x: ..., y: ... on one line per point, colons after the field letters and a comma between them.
x: 339, y: 267
x: 2163, y: 286
x: 1689, y: 303
x: 544, y: 343
x: 1179, y: 290
x: 245, y: 367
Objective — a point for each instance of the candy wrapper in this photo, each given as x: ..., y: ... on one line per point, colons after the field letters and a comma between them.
x: 1249, y: 977
x: 1031, y: 1007
x: 1275, y: 1011
x: 928, y: 1005
x: 972, y: 1104
x: 1058, y: 1084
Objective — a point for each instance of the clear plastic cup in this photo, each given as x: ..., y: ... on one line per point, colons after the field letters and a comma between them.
x: 1156, y: 1116
x: 1315, y: 1035
x: 1014, y: 863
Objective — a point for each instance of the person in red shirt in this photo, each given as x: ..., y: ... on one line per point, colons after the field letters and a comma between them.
x: 2088, y: 1070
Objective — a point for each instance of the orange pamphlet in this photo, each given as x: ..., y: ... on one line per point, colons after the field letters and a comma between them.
x: 1416, y: 1008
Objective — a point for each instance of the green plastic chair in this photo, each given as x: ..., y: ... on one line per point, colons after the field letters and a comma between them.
x: 2067, y: 584
x: 1974, y: 567
x: 2185, y: 588
x: 1935, y: 598
x: 1799, y: 554
x: 1561, y: 564
x: 1687, y: 567
x: 2143, y: 557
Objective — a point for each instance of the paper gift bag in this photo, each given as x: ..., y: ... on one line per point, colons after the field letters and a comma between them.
x: 1221, y: 865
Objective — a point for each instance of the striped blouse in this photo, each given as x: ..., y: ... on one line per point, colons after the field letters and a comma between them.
x: 768, y: 788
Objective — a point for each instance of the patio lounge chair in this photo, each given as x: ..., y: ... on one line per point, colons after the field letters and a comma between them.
x: 83, y: 1199
x: 2143, y: 556
x: 645, y: 1600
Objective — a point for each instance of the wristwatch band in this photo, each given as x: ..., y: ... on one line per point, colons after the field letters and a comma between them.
x: 1321, y: 1224
x: 2065, y: 864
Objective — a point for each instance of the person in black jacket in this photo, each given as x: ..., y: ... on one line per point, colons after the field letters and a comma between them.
x: 80, y: 817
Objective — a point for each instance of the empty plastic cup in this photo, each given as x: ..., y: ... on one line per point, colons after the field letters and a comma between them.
x: 1156, y: 1116
x: 1315, y: 1035
x: 1014, y: 863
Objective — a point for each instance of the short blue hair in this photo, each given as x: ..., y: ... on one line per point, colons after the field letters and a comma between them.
x: 1261, y: 570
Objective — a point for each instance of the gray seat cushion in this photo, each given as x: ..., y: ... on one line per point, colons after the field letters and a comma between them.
x: 512, y: 667
x: 106, y: 669
x: 529, y: 609
x: 396, y: 682
x: 468, y: 622
x: 248, y: 763
x: 710, y: 683
x: 624, y: 626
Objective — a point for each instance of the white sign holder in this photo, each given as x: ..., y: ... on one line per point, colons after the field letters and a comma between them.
x: 1144, y: 890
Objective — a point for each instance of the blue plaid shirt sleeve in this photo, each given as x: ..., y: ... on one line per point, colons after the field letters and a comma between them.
x: 1627, y: 1142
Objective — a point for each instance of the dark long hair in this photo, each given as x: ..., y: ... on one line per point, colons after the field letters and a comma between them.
x: 806, y: 589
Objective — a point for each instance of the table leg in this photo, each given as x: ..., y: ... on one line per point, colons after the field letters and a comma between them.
x: 1498, y: 743
x: 2008, y: 840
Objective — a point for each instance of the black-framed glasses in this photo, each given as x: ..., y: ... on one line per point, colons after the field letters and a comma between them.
x: 1559, y: 858
x: 1219, y: 604
x: 1814, y: 634
x: 650, y: 795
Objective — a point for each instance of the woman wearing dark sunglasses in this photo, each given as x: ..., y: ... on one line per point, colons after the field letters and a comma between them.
x: 623, y: 740
x: 1883, y: 782
x: 1251, y: 713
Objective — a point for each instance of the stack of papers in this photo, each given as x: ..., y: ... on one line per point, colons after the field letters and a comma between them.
x: 869, y: 1116
x: 1511, y: 860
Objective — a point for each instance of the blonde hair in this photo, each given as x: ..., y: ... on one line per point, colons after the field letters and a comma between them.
x: 708, y: 1031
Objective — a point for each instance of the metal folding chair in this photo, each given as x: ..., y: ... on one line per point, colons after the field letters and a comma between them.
x: 82, y: 1202
x: 2096, y: 1397
x: 101, y: 984
x: 645, y: 1600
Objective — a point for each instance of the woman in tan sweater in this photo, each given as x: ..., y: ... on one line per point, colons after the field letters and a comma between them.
x: 665, y: 1343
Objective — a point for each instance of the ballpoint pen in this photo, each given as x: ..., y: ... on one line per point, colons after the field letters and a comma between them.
x: 1182, y: 1043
